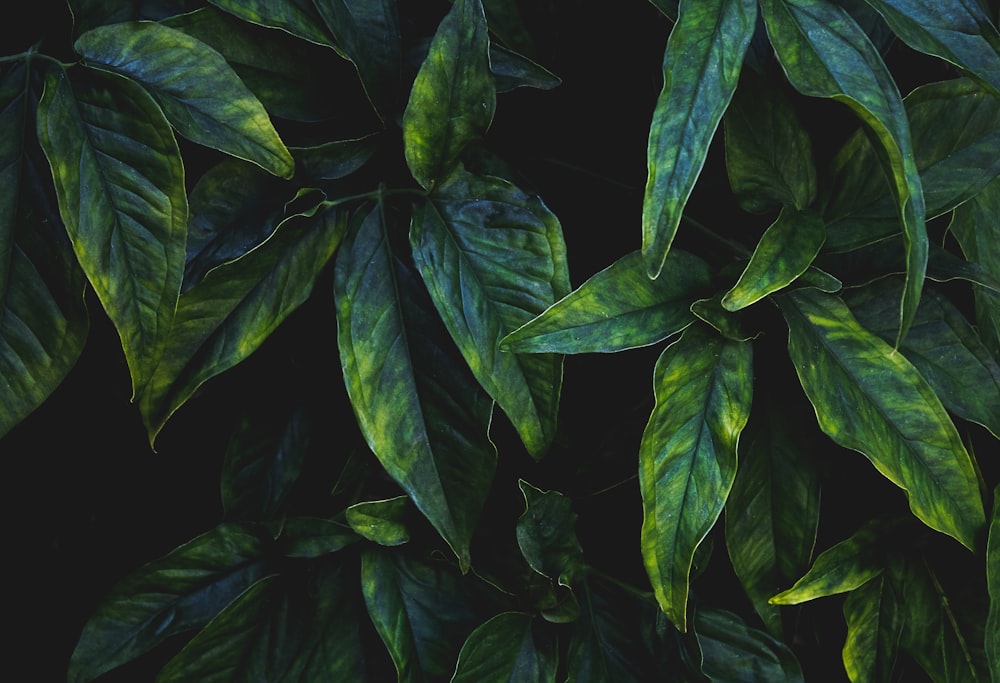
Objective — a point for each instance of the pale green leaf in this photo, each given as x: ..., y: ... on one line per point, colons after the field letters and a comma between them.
x: 509, y: 648
x: 874, y: 624
x: 381, y: 521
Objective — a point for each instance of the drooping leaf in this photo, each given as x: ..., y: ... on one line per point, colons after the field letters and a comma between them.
x: 687, y: 458
x: 298, y: 17
x: 732, y: 652
x: 786, y: 249
x: 229, y: 314
x: 120, y: 184
x: 381, y: 521
x: 992, y: 639
x: 826, y: 54
x: 616, y: 309
x: 493, y: 258
x: 509, y: 648
x: 453, y: 97
x: 546, y: 534
x: 701, y: 67
x: 289, y: 628
x: 177, y: 593
x: 422, y: 414
x: 199, y: 92
x: 869, y: 398
x: 874, y: 618
x: 978, y: 232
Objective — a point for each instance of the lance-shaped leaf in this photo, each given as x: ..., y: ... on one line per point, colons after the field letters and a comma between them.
x: 546, y: 534
x: 701, y: 66
x: 992, y: 639
x: 174, y: 594
x: 687, y: 458
x: 421, y: 412
x: 509, y: 647
x: 942, y: 345
x: 298, y: 17
x: 733, y: 652
x: 826, y: 54
x: 453, y: 97
x: 786, y: 249
x: 312, y: 537
x: 493, y: 258
x: 230, y: 313
x: 769, y: 156
x: 874, y: 618
x: 772, y: 513
x: 869, y: 398
x: 199, y: 92
x: 511, y: 71
x: 335, y: 159
x: 120, y: 183
x: 978, y: 231
x: 43, y: 321
x: 958, y: 31
x: 382, y: 521
x: 618, y: 308
x: 423, y: 612
x: 295, y: 629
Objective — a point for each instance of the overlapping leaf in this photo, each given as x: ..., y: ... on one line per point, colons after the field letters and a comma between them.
x: 992, y: 637
x: 421, y: 412
x: 493, y: 258
x: 732, y: 652
x: 546, y: 535
x: 874, y: 624
x: 298, y: 17
x: 701, y: 67
x: 199, y: 92
x: 509, y: 647
x: 978, y: 231
x: 826, y: 54
x: 381, y: 521
x: 120, y: 184
x: 453, y: 97
x: 616, y: 309
x: 869, y: 398
x: 687, y: 459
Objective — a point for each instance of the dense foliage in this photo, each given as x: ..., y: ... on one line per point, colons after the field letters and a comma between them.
x: 361, y: 239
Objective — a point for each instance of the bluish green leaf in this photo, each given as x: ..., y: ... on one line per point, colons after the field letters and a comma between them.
x: 616, y: 309
x: 512, y: 70
x: 701, y: 67
x: 381, y: 521
x: 873, y: 612
x: 509, y: 648
x: 312, y: 537
x: 732, y: 652
x: 493, y: 258
x: 177, y: 593
x: 120, y: 184
x: 422, y: 414
x: 992, y: 640
x: 199, y: 92
x: 88, y: 14
x: 546, y: 534
x: 229, y: 314
x: 687, y: 458
x: 826, y: 54
x: 786, y: 249
x: 869, y: 398
x: 978, y: 232
x: 453, y: 97
x: 335, y: 159
x: 289, y: 628
x: 298, y: 17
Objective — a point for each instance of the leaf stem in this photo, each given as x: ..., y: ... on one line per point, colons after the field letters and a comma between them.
x: 730, y: 244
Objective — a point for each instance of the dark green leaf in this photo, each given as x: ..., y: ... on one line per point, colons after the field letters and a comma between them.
x: 869, y: 398
x: 618, y: 308
x: 825, y: 54
x: 874, y: 623
x: 199, y: 92
x: 701, y: 67
x: 687, y: 459
x: 422, y: 414
x: 732, y: 652
x: 298, y: 17
x: 120, y: 184
x: 453, y: 97
x: 667, y: 7
x: 511, y: 71
x: 786, y: 249
x: 978, y: 231
x: 311, y: 537
x: 727, y: 323
x: 283, y: 628
x: 493, y: 258
x: 88, y: 14
x: 172, y: 595
x: 381, y: 521
x: 336, y: 159
x: 509, y: 648
x: 546, y: 534
x: 992, y: 641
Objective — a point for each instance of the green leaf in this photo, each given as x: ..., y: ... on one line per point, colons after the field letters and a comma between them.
x: 509, y: 648
x: 687, y: 458
x: 667, y: 7
x: 289, y: 628
x: 512, y: 70
x: 769, y: 156
x: 43, y: 321
x: 422, y: 414
x: 842, y: 567
x: 199, y: 92
x: 617, y: 309
x: 869, y: 398
x: 732, y: 652
x: 229, y: 314
x: 978, y: 232
x: 298, y: 17
x: 874, y: 624
x: 177, y: 593
x: 493, y: 258
x: 730, y: 325
x: 546, y: 534
x: 88, y: 14
x: 992, y: 641
x: 453, y: 97
x: 786, y: 249
x: 120, y: 184
x: 772, y: 513
x: 943, y: 346
x: 381, y: 521
x: 312, y: 537
x: 825, y: 54
x: 701, y: 67
x: 958, y: 31
x: 335, y: 159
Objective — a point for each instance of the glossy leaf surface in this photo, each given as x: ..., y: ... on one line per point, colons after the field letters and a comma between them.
x: 511, y: 647
x: 381, y: 521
